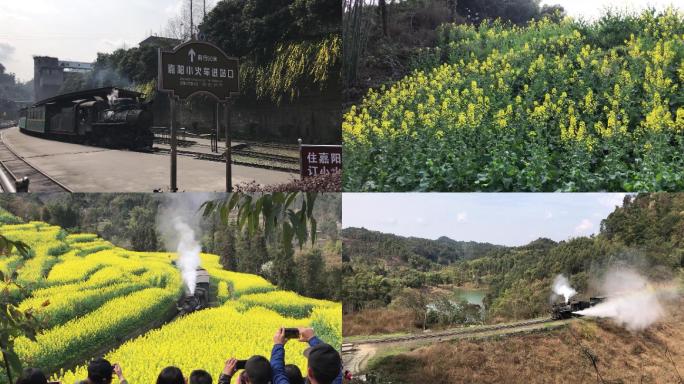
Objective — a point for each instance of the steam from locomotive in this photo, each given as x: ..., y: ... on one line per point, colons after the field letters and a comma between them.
x: 628, y: 298
x: 632, y: 303
x: 561, y: 287
x: 188, y: 254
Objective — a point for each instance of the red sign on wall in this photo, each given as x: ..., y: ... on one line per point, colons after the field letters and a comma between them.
x: 320, y: 159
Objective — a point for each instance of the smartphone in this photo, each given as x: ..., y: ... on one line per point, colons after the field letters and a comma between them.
x: 292, y: 333
x: 240, y: 364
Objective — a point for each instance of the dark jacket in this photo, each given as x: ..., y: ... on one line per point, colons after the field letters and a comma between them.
x: 278, y: 363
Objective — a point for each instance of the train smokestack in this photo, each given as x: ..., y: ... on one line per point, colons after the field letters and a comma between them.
x: 561, y: 287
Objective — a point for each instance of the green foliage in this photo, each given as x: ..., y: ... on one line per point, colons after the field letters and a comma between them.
x: 15, y: 323
x: 295, y: 68
x: 287, y: 46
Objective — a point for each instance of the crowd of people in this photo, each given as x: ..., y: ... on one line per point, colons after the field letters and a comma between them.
x: 324, y: 366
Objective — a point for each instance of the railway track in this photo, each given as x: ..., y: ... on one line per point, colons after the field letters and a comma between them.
x: 237, y: 150
x: 15, y: 168
x: 357, y: 353
x: 455, y: 332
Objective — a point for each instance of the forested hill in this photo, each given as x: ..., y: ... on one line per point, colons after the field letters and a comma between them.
x: 646, y: 234
x: 361, y: 245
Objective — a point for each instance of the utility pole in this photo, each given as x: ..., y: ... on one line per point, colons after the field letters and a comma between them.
x: 192, y: 27
x: 205, y: 10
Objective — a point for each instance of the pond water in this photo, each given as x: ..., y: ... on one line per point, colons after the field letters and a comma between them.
x: 473, y: 296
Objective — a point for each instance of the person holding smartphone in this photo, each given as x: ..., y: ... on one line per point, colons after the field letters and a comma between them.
x: 324, y: 362
x: 256, y: 370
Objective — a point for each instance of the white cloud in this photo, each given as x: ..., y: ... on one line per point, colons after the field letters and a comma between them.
x: 420, y: 220
x: 6, y: 52
x: 585, y: 226
x: 462, y: 217
x: 611, y: 200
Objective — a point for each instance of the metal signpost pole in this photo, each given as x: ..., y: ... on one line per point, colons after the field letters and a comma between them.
x: 301, y: 161
x: 217, y: 132
x: 229, y: 150
x: 174, y: 143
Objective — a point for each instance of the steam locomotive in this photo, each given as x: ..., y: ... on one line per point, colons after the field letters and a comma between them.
x: 560, y: 311
x: 192, y: 302
x: 105, y: 117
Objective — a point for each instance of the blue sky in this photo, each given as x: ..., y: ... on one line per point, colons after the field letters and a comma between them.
x: 77, y: 29
x: 500, y: 218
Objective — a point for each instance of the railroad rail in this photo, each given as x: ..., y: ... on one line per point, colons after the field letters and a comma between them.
x: 16, y: 172
x: 452, y: 332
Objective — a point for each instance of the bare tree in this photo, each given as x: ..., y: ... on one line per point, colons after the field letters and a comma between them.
x: 179, y: 27
x: 452, y: 4
x: 382, y: 8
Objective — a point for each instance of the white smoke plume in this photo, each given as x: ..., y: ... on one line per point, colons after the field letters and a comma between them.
x: 561, y: 287
x: 631, y: 301
x: 179, y: 222
x: 113, y: 97
x: 188, y: 254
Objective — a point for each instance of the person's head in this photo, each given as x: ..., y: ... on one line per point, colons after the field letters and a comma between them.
x: 100, y: 371
x: 294, y: 375
x: 200, y: 377
x: 170, y: 375
x: 325, y: 364
x: 32, y: 376
x: 258, y: 370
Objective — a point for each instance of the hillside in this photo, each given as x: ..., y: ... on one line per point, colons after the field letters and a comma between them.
x: 94, y: 298
x: 362, y: 245
x: 556, y: 356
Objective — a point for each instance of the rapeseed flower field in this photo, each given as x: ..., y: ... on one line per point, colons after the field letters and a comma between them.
x: 566, y: 106
x: 92, y: 296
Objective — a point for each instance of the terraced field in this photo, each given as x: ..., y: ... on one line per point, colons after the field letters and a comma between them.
x: 97, y: 299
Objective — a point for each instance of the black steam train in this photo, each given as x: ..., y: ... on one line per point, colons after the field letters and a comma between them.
x: 560, y: 311
x: 105, y: 117
x: 200, y: 298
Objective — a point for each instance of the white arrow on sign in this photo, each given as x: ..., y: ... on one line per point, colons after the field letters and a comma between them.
x: 191, y: 53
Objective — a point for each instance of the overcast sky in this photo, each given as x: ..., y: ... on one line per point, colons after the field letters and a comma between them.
x: 592, y: 9
x: 76, y: 29
x: 500, y: 218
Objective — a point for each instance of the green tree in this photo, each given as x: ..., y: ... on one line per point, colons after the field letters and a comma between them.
x: 142, y: 229
x: 312, y: 277
x: 284, y: 269
x: 64, y: 215
x: 225, y: 243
